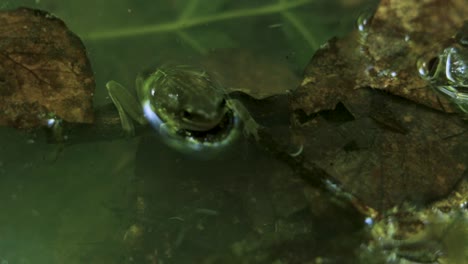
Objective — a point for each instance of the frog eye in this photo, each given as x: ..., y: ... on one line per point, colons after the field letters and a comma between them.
x: 432, y: 65
x: 428, y: 67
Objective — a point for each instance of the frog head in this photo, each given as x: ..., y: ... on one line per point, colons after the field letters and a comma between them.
x: 189, y: 104
x: 448, y: 71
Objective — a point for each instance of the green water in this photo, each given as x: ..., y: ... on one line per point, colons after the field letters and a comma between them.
x: 78, y: 204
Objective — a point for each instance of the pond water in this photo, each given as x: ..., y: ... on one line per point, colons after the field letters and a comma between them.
x: 136, y: 200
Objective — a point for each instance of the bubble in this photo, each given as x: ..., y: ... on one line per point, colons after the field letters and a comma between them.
x: 388, y: 73
x: 369, y: 221
x: 51, y: 122
x: 363, y: 21
x: 407, y: 38
x: 55, y: 126
x: 363, y: 25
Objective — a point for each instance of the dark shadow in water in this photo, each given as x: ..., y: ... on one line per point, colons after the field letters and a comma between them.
x: 242, y: 205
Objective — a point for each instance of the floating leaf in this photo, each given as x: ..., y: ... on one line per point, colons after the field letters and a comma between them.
x: 44, y: 71
x: 389, y: 150
x: 188, y: 18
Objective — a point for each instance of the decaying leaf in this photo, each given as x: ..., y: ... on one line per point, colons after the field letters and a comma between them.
x: 44, y: 71
x: 392, y: 147
x: 382, y: 53
x: 398, y: 152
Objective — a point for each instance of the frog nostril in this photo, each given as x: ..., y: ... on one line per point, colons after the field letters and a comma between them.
x: 222, y: 104
x: 187, y: 115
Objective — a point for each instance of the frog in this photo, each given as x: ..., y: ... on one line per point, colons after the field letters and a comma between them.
x: 189, y: 108
x: 448, y: 71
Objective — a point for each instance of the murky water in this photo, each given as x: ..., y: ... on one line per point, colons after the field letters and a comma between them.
x: 138, y: 201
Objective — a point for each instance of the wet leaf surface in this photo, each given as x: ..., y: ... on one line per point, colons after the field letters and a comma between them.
x: 44, y: 71
x: 383, y: 55
x: 405, y: 153
x: 398, y: 145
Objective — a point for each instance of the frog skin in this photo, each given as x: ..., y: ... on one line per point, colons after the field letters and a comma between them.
x: 448, y: 72
x: 186, y: 105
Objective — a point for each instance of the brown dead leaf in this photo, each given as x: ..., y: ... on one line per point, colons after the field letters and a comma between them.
x: 44, y: 71
x: 383, y: 55
x: 386, y: 160
x: 392, y: 148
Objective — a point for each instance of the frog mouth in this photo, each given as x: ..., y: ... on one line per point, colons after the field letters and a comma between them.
x: 220, y: 133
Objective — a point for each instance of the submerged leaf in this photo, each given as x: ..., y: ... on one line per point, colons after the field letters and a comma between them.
x: 189, y: 8
x: 196, y: 13
x: 204, y: 40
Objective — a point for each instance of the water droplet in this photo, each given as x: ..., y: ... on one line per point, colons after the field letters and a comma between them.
x: 422, y: 68
x: 369, y: 221
x: 363, y: 24
x: 51, y: 122
x: 363, y: 21
x: 463, y: 204
x: 55, y: 127
x: 387, y: 73
x: 407, y: 38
